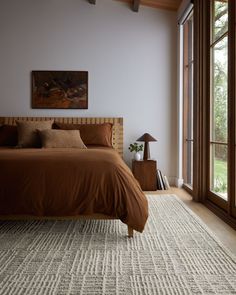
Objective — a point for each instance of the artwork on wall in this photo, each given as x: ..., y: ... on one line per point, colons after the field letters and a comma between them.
x: 59, y: 89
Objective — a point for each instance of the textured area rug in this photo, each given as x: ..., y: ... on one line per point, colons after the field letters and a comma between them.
x: 176, y: 254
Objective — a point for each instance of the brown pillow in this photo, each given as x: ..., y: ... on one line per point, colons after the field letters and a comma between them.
x: 61, y: 139
x: 27, y: 132
x: 8, y: 135
x: 91, y: 134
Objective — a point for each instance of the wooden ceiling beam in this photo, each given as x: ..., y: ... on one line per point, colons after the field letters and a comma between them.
x: 159, y: 4
x: 136, y: 4
x: 163, y: 4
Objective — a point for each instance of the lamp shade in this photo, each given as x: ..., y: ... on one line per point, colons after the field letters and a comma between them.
x: 146, y: 137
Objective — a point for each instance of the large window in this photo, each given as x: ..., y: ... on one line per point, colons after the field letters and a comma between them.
x: 188, y: 102
x: 214, y: 101
x: 219, y: 100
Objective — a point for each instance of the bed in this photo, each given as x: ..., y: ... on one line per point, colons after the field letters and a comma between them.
x: 92, y: 183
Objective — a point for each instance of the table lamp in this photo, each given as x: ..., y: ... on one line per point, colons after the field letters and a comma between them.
x: 146, y: 137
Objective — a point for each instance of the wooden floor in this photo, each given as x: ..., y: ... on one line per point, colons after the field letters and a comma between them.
x: 223, y: 231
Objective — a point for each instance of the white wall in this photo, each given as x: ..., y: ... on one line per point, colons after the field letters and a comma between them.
x: 131, y: 59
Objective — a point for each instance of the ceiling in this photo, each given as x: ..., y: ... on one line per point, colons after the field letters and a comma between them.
x: 164, y: 4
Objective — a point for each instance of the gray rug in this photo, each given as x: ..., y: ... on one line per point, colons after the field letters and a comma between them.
x: 175, y: 255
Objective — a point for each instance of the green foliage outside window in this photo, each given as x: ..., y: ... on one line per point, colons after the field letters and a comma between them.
x: 220, y: 96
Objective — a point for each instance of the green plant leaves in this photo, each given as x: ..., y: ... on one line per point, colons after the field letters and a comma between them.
x: 135, y: 147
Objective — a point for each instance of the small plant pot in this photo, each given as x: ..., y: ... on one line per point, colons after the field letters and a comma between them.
x: 137, y: 156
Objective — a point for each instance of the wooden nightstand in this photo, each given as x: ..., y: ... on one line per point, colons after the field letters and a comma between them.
x: 146, y: 173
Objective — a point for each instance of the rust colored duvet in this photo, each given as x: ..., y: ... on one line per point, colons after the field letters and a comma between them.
x: 70, y: 182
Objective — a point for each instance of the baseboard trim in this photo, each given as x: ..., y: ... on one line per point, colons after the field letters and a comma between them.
x: 179, y: 182
x: 175, y: 181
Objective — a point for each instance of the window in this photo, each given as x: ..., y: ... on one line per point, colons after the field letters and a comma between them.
x: 219, y: 100
x: 214, y: 132
x: 188, y: 101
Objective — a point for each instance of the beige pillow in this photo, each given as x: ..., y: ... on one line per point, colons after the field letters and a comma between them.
x: 91, y: 134
x: 27, y: 132
x: 61, y: 139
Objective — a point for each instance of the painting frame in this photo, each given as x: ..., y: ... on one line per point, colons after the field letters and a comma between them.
x: 59, y: 89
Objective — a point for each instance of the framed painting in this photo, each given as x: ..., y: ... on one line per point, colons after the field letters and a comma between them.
x: 59, y: 89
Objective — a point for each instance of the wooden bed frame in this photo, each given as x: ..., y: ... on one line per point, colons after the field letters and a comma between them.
x: 117, y: 143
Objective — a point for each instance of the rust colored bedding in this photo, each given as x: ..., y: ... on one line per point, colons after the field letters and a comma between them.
x: 69, y: 182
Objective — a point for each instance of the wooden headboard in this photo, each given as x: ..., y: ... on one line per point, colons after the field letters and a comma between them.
x: 117, y: 130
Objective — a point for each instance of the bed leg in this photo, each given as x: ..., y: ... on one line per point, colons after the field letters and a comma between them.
x: 130, y: 232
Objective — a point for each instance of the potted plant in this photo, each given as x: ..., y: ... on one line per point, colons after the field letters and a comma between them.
x: 137, y: 148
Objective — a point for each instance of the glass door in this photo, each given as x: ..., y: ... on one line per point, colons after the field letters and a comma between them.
x: 218, y: 105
